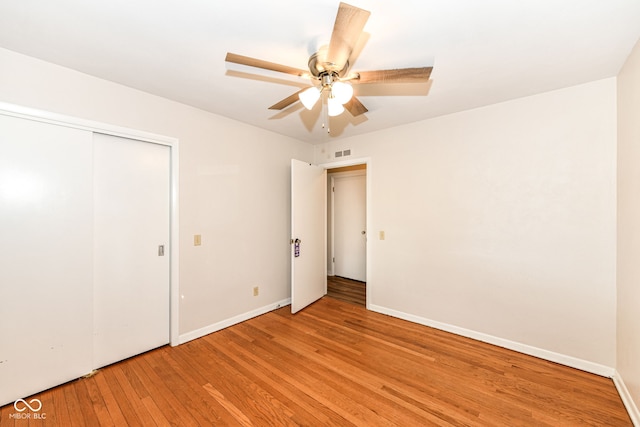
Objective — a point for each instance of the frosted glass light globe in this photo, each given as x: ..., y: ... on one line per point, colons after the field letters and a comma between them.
x: 309, y: 97
x: 342, y: 92
x: 334, y: 107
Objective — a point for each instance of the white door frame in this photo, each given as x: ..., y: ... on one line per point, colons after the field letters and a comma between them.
x: 331, y: 230
x: 92, y: 126
x: 351, y: 162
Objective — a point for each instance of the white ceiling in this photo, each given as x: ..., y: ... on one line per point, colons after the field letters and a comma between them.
x: 482, y: 51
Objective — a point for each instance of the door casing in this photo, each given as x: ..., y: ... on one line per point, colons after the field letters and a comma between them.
x: 362, y: 161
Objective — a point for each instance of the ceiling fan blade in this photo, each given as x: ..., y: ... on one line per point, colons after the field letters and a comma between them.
x: 355, y: 107
x: 402, y: 75
x: 287, y: 101
x: 259, y: 63
x: 349, y: 24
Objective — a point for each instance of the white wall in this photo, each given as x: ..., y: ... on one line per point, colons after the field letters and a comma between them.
x: 234, y: 185
x: 629, y: 226
x: 500, y: 222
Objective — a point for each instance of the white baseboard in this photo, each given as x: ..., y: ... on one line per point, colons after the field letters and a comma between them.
x: 632, y: 409
x: 231, y: 321
x: 584, y: 365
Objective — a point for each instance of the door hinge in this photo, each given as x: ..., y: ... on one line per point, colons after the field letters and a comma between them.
x: 334, y: 259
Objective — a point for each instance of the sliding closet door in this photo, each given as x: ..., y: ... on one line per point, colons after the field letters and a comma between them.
x: 131, y: 252
x: 46, y: 276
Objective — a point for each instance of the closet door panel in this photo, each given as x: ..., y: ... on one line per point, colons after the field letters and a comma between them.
x: 131, y: 247
x: 46, y: 222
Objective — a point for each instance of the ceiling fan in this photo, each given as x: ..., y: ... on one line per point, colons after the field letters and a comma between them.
x: 329, y: 68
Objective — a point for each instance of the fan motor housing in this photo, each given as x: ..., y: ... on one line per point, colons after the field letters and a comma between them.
x: 317, y: 67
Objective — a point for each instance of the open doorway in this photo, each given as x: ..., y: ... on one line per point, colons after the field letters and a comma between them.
x: 347, y: 233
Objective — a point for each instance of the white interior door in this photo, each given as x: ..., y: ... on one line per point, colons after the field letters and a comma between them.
x: 309, y: 227
x: 349, y: 225
x: 45, y: 256
x: 131, y: 253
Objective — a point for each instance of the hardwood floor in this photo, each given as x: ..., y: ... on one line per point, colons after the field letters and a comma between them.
x: 347, y: 290
x: 334, y: 363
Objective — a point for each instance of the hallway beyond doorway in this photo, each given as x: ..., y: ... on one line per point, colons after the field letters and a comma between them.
x: 352, y: 291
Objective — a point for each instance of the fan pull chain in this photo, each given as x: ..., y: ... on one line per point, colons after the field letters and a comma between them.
x: 325, y: 114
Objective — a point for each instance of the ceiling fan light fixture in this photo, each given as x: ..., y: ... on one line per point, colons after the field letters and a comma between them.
x: 309, y: 97
x: 334, y: 107
x: 342, y: 92
x: 329, y: 67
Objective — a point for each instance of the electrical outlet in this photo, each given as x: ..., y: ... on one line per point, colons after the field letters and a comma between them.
x: 256, y: 291
x: 381, y: 235
x: 197, y: 240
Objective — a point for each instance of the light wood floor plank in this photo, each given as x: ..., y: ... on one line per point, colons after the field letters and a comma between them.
x: 360, y: 378
x: 161, y: 392
x: 155, y: 413
x: 130, y: 402
x: 188, y: 399
x: 191, y: 370
x: 302, y: 407
x: 310, y: 381
x: 112, y: 406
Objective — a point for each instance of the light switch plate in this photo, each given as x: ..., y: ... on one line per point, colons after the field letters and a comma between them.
x: 197, y: 240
